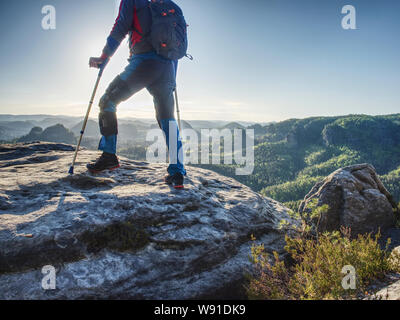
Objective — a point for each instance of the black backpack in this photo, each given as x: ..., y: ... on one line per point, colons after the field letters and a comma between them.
x: 168, y: 34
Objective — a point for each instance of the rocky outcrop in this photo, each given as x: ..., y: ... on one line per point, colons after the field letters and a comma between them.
x: 391, y: 292
x: 125, y: 234
x: 385, y: 288
x: 356, y: 198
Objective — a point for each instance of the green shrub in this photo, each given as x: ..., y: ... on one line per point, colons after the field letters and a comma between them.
x: 317, y: 261
x: 317, y: 270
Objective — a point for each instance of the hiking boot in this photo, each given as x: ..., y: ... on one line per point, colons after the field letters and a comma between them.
x: 175, y: 180
x: 107, y: 161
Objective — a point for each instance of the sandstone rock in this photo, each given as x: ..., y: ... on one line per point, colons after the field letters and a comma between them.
x: 357, y: 199
x: 125, y: 234
x: 396, y: 251
x: 391, y: 292
x: 395, y: 257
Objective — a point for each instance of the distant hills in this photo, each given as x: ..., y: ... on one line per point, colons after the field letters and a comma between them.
x: 57, y: 133
x: 131, y: 130
x: 233, y: 126
x: 92, y: 128
x: 292, y: 155
x: 10, y: 130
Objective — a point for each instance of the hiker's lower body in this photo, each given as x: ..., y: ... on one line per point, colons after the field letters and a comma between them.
x: 157, y: 75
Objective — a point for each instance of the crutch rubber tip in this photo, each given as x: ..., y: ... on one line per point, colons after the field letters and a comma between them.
x: 71, y: 170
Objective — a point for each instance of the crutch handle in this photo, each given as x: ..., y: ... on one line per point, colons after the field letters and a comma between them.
x: 103, y: 66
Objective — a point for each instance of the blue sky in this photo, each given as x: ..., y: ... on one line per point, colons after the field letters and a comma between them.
x: 255, y: 60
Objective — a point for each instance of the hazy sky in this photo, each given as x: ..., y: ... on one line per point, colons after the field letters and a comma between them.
x: 255, y: 60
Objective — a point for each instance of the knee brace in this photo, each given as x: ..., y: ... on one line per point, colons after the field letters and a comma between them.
x: 116, y: 92
x: 108, y: 123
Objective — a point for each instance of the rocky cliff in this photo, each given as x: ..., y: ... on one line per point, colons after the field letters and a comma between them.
x: 125, y: 234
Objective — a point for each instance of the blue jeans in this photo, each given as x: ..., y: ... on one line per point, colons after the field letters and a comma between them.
x: 157, y: 75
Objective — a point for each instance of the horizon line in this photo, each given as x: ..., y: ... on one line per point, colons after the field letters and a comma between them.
x: 215, y: 120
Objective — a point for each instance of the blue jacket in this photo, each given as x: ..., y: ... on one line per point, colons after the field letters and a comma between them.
x: 134, y: 18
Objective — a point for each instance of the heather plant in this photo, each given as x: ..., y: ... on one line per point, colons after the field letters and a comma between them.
x: 314, y: 269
